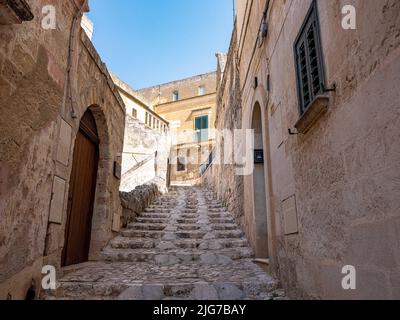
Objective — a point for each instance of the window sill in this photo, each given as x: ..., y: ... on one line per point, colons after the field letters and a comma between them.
x: 317, y: 108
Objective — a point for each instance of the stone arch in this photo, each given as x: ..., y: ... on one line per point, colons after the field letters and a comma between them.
x: 102, y: 216
x: 93, y: 99
x: 260, y: 99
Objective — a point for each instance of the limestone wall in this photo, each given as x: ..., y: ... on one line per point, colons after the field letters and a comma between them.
x: 38, y: 133
x: 145, y: 157
x: 222, y: 178
x: 332, y: 193
x: 187, y: 88
x: 135, y: 201
x: 342, y: 172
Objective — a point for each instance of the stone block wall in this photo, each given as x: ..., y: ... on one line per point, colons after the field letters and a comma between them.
x: 137, y: 200
x: 222, y: 178
x: 146, y: 155
x: 331, y: 194
x: 342, y: 172
x: 38, y: 133
x: 187, y: 88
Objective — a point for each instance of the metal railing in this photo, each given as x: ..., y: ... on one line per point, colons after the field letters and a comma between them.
x: 204, y: 167
x: 141, y: 163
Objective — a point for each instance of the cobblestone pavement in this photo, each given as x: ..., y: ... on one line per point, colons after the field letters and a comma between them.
x: 185, y: 246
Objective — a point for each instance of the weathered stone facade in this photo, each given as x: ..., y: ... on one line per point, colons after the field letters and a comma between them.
x: 41, y: 107
x: 195, y: 97
x: 331, y: 193
x: 222, y: 178
x: 145, y: 157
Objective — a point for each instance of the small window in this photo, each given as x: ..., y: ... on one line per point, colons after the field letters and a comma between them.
x: 150, y: 120
x: 309, y: 66
x: 134, y: 113
x: 154, y: 123
x: 175, y: 96
x: 201, y: 128
x: 146, y: 118
x: 202, y: 91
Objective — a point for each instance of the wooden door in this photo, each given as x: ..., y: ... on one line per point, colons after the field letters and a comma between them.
x: 81, y: 193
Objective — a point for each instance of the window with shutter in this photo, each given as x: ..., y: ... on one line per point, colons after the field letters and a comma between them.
x: 201, y: 128
x: 308, y: 54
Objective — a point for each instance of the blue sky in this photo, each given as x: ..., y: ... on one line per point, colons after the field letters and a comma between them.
x: 148, y: 42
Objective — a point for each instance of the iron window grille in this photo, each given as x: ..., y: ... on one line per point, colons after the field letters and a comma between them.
x: 309, y: 62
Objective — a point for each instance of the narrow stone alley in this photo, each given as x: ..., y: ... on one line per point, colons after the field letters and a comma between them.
x: 184, y: 246
x: 175, y: 151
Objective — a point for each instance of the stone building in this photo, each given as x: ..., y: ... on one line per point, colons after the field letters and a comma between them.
x: 139, y: 108
x: 62, y: 123
x: 189, y: 107
x: 323, y: 101
x: 147, y: 142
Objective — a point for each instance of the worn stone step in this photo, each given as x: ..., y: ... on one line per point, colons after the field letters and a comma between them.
x: 219, y: 215
x: 188, y: 227
x: 238, y: 280
x: 214, y: 244
x: 229, y: 234
x: 215, y: 206
x: 157, y: 210
x: 85, y: 291
x: 190, y: 234
x: 199, y: 291
x: 217, y: 244
x: 175, y: 256
x: 154, y: 215
x: 186, y: 221
x: 129, y: 243
x: 142, y: 234
x: 189, y: 211
x: 224, y: 226
x: 168, y: 203
x: 189, y: 208
x: 140, y: 219
x: 189, y: 216
x: 221, y: 209
x: 221, y: 220
x: 186, y: 245
x: 146, y: 226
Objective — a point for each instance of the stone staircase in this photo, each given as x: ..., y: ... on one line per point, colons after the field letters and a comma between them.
x: 184, y: 246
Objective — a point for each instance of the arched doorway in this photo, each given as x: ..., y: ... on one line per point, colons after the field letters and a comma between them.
x: 82, y: 189
x: 259, y: 194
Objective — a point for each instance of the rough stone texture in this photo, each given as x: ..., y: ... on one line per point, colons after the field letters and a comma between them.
x: 188, y: 88
x: 137, y: 106
x: 222, y: 177
x: 181, y: 116
x: 165, y: 254
x: 145, y: 157
x: 33, y: 64
x: 134, y: 202
x: 14, y: 12
x: 344, y: 172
